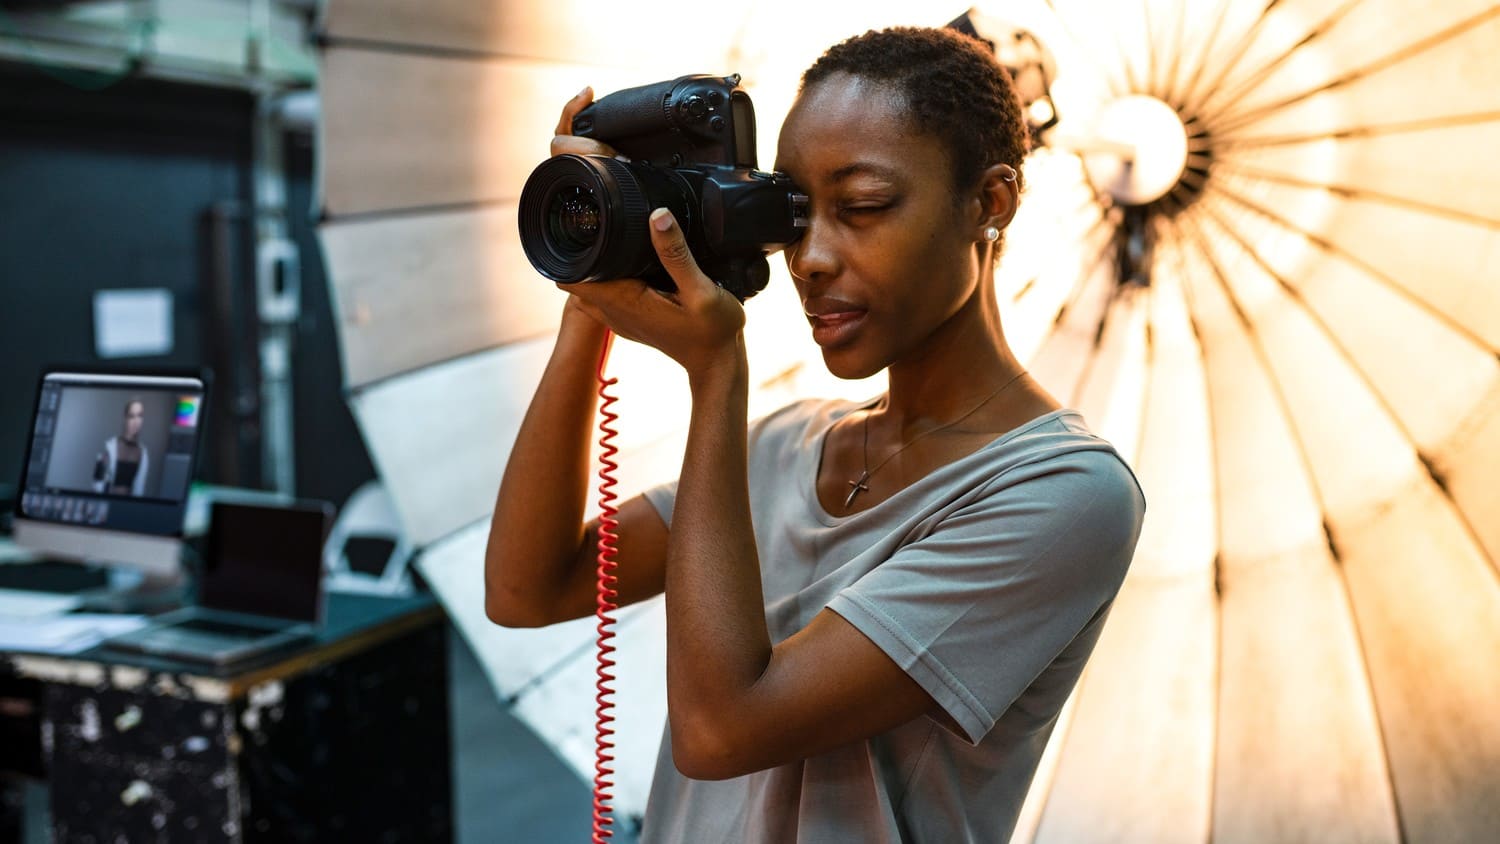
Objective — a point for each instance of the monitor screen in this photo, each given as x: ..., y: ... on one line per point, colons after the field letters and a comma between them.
x: 265, y: 559
x: 114, y: 452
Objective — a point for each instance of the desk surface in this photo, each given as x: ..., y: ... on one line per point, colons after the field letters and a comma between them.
x: 354, y: 623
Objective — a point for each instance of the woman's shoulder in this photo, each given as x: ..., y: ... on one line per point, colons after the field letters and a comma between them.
x: 1061, y: 446
x: 803, y: 416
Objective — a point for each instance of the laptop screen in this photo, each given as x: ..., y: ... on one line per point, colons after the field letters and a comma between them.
x: 113, y: 451
x: 265, y: 560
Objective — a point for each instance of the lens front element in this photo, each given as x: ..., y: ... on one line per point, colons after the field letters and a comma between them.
x: 583, y: 218
x: 573, y: 219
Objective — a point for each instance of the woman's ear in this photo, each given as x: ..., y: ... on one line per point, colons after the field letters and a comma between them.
x: 999, y: 195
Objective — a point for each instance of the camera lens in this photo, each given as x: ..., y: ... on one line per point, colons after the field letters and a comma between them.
x: 573, y: 219
x: 583, y: 217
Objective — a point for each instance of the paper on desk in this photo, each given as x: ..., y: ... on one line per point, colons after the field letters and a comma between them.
x: 22, y: 604
x: 65, y: 634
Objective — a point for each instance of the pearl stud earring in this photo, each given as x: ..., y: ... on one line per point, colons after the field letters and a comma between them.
x: 991, y: 234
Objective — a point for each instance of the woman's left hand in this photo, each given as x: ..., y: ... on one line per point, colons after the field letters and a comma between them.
x: 699, y: 325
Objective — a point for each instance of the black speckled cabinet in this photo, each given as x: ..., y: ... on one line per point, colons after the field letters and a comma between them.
x: 347, y: 742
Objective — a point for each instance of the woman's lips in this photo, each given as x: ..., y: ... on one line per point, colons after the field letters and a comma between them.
x: 832, y: 328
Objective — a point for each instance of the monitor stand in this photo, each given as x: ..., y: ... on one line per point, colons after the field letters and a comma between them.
x: 58, y: 577
x: 131, y: 592
x: 145, y: 573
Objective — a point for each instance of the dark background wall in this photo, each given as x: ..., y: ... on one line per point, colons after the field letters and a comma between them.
x: 120, y: 186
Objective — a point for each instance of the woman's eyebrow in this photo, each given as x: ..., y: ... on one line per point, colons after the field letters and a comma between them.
x: 862, y: 168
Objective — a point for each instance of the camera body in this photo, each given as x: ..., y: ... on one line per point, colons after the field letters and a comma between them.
x: 690, y: 143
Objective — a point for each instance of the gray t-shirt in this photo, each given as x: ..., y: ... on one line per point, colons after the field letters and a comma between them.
x: 988, y: 581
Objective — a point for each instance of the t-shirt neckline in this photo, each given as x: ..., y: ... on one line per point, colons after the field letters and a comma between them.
x: 809, y: 485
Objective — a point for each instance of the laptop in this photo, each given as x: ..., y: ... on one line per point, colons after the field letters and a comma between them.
x: 260, y: 588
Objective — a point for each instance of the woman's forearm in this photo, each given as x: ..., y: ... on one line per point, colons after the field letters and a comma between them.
x: 538, y: 520
x: 717, y: 642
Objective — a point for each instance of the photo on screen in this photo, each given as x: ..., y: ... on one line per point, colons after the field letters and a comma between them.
x: 114, y: 441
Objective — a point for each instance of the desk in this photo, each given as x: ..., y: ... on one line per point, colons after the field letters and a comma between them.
x: 342, y: 739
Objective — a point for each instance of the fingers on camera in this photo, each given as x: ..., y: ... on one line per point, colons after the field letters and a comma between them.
x: 579, y: 102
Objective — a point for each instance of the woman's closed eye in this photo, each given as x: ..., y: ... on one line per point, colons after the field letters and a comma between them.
x: 864, y: 207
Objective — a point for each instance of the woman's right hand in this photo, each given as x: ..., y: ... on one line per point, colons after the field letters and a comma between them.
x: 564, y: 141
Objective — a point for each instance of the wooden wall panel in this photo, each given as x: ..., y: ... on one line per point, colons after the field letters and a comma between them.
x: 416, y: 290
x: 548, y: 672
x: 595, y: 32
x: 403, y: 131
x: 440, y: 436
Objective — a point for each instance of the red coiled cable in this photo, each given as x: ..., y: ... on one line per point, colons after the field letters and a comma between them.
x: 604, y: 607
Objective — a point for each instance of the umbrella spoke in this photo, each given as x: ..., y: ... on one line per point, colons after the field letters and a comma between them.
x: 1366, y: 376
x: 1178, y: 47
x: 1234, y: 121
x: 1124, y: 51
x: 1296, y: 296
x: 1228, y: 96
x: 1151, y: 47
x: 1331, y: 248
x: 1350, y: 192
x: 1192, y: 98
x: 1232, y: 142
x: 1221, y: 280
x: 1178, y: 99
x: 1115, y: 89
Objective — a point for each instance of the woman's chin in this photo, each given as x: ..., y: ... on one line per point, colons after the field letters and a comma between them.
x: 845, y: 365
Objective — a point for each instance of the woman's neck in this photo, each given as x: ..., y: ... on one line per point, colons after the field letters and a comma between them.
x: 964, y: 361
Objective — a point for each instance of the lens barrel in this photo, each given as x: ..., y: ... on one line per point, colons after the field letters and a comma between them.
x: 584, y: 217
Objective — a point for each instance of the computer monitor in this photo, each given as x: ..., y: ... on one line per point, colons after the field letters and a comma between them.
x: 108, y: 467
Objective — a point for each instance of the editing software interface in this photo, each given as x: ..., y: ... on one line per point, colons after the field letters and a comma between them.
x: 113, y: 451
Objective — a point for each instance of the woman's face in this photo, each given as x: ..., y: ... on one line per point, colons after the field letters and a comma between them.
x: 135, y: 416
x: 889, y: 252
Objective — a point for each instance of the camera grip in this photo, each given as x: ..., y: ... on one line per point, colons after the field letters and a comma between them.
x: 626, y: 113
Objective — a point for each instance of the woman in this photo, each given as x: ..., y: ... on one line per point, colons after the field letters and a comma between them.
x: 120, y: 469
x: 874, y: 612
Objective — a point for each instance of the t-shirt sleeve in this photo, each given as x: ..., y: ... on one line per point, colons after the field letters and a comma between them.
x: 662, y: 497
x: 975, y: 610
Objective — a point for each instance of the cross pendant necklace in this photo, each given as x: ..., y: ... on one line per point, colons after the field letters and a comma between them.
x: 858, y: 487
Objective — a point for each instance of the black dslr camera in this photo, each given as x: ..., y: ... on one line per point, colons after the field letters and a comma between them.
x: 691, y: 145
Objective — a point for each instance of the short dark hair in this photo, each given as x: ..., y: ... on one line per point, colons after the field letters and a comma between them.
x: 953, y: 87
